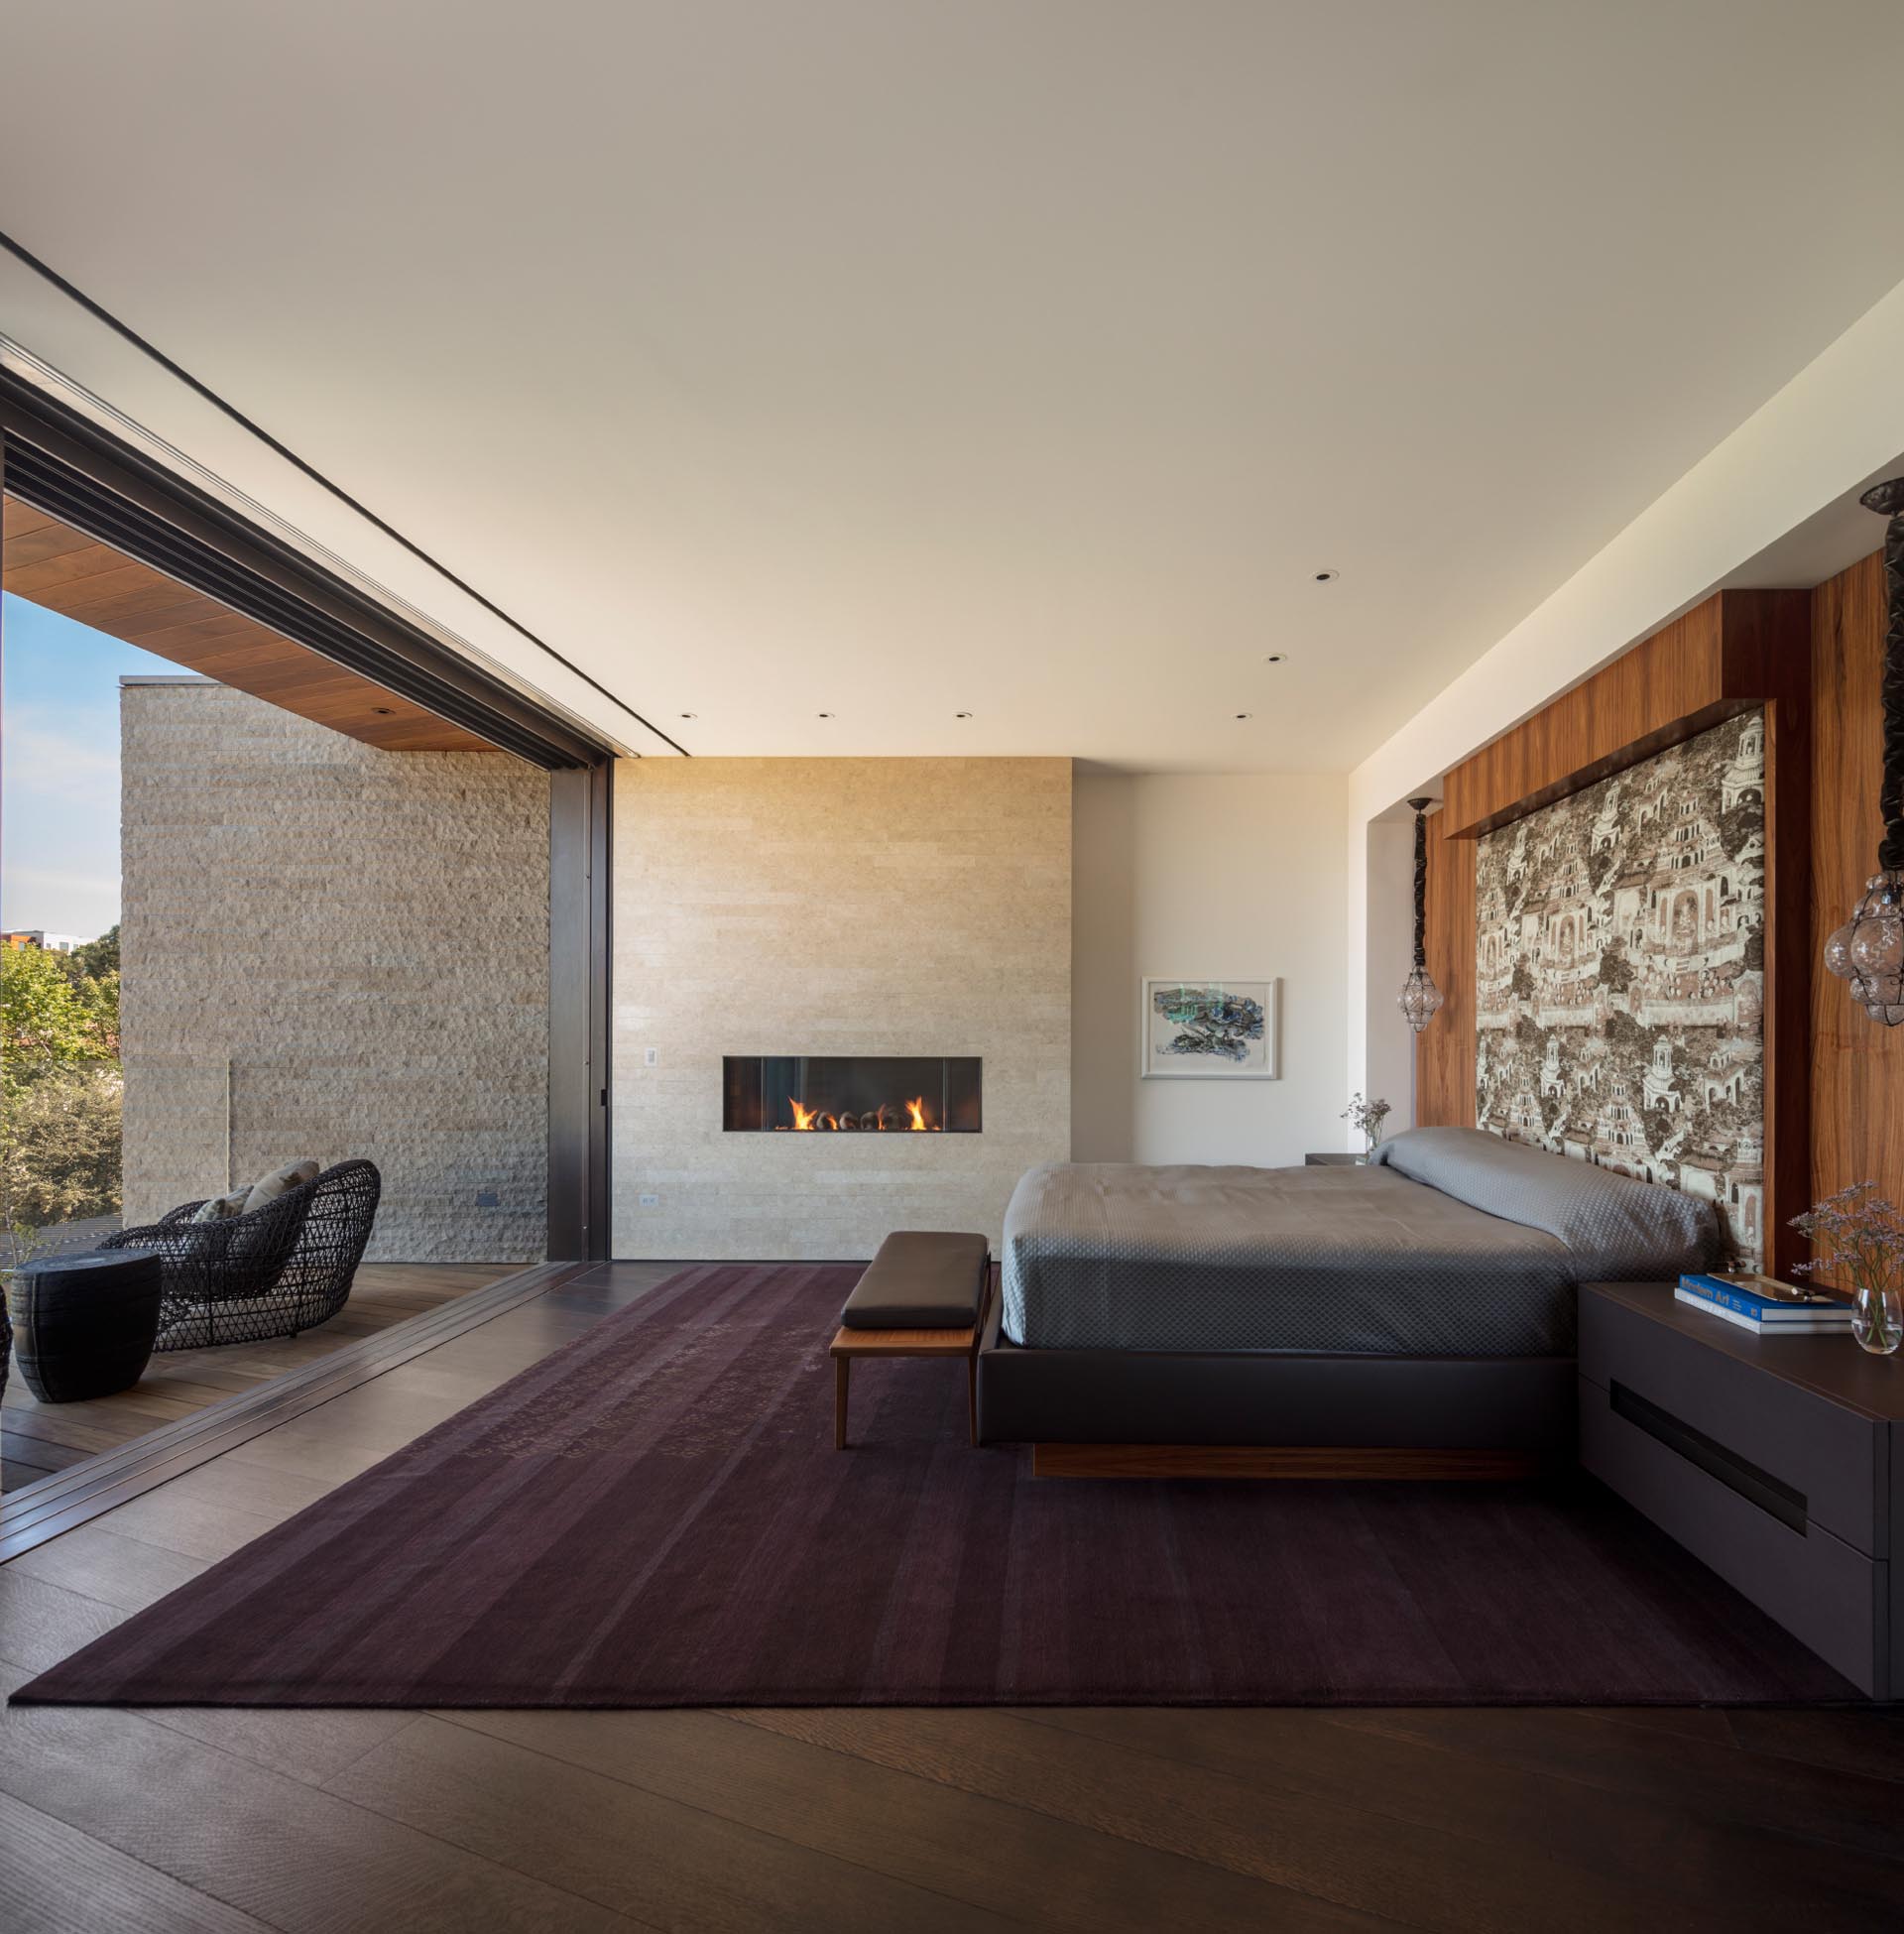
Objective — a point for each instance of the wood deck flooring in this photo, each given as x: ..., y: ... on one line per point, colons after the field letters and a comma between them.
x: 886, y: 1821
x: 37, y: 1439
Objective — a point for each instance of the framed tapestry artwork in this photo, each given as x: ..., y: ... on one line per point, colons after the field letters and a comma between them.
x: 1620, y: 975
x: 1208, y: 1029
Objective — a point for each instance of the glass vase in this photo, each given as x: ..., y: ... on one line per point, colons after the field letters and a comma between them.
x: 1877, y: 1320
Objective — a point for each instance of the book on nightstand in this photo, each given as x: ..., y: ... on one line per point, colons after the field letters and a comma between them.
x: 1765, y: 1307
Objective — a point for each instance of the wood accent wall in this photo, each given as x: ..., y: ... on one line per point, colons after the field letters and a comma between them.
x: 1857, y: 1066
x: 1736, y: 651
x: 50, y: 563
x: 1720, y: 659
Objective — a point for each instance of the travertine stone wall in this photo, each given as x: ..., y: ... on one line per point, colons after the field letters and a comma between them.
x: 877, y: 906
x: 365, y: 935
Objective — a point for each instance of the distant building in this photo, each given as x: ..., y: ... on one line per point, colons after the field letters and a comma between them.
x: 1497, y: 947
x: 1662, y: 1092
x: 1525, y: 1123
x: 1619, y: 1140
x: 1553, y: 1079
x: 1746, y: 1207
x: 33, y: 936
x: 1743, y: 780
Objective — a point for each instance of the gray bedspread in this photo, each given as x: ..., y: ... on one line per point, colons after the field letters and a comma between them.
x: 1116, y: 1256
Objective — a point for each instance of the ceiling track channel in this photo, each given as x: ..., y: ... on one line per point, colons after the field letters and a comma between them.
x: 380, y: 649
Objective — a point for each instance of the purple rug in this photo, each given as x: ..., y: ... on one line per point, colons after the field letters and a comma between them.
x: 655, y: 1516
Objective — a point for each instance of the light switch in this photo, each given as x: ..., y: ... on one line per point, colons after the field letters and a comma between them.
x: 651, y: 1057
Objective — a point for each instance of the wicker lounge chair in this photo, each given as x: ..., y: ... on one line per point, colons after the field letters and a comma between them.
x: 284, y: 1268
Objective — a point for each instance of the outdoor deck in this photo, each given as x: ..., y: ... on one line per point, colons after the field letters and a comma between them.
x: 37, y: 1439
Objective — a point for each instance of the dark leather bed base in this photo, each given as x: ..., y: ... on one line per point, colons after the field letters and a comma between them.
x: 1238, y: 1398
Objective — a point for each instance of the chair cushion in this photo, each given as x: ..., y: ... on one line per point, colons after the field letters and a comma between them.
x: 268, y: 1188
x: 921, y: 1279
x: 221, y: 1208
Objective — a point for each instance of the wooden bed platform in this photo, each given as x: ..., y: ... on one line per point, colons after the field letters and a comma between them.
x: 1313, y: 1462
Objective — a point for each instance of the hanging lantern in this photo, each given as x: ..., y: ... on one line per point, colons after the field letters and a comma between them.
x: 1869, y: 949
x: 1420, y: 999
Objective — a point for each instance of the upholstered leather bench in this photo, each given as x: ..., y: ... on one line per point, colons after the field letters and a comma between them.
x: 922, y: 1295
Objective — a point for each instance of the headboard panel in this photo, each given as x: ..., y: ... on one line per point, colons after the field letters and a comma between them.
x: 1620, y: 975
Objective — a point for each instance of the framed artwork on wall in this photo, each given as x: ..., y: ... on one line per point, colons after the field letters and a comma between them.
x: 1620, y: 975
x: 1199, y: 1029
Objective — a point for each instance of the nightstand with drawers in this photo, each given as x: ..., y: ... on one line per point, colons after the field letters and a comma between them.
x: 1779, y: 1462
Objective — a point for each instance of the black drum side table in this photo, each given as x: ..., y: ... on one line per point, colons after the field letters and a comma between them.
x: 85, y: 1325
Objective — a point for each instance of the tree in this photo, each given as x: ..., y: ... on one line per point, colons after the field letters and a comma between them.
x: 1615, y: 970
x: 61, y: 1090
x: 60, y: 1146
x: 47, y: 1021
x: 96, y: 959
x: 1736, y: 825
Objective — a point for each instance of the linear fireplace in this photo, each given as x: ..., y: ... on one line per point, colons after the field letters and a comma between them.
x: 894, y: 1094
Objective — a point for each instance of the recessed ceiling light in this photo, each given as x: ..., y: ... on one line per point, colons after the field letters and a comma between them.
x: 823, y: 714
x: 1275, y: 657
x: 690, y: 714
x: 1245, y: 714
x: 961, y: 714
x: 1327, y: 577
x: 384, y: 711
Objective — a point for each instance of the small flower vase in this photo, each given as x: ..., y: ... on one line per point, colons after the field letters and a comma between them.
x: 1877, y: 1320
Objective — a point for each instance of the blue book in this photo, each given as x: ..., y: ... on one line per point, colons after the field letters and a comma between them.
x: 1737, y: 1296
x: 1814, y: 1324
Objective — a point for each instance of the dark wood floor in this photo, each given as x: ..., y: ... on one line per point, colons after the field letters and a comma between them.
x: 38, y: 1439
x: 877, y: 1820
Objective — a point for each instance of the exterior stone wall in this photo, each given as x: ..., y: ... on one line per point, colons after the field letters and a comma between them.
x: 873, y: 907
x: 363, y: 935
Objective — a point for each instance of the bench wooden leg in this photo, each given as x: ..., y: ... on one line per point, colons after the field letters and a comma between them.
x: 842, y: 1370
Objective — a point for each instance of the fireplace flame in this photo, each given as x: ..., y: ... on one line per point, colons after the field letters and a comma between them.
x: 813, y: 1119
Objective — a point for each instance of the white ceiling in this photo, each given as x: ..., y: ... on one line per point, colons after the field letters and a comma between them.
x: 1020, y: 357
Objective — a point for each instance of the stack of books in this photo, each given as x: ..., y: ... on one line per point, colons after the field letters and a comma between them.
x: 1765, y: 1307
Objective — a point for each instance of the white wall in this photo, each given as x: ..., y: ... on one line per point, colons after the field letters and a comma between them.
x: 1194, y: 874
x: 1390, y: 1070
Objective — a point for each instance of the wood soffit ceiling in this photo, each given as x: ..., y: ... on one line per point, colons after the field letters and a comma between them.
x: 50, y: 563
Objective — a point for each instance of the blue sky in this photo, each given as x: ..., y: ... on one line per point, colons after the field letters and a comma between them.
x: 60, y: 769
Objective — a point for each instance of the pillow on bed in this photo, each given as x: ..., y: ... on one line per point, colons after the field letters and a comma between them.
x: 1616, y: 1228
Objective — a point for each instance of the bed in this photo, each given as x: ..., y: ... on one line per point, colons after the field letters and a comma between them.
x: 1422, y: 1306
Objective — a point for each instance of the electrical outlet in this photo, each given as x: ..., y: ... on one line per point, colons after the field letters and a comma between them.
x: 487, y: 1198
x: 651, y: 1201
x: 651, y: 1057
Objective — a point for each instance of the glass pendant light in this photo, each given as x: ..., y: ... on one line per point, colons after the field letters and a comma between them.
x: 1869, y: 949
x: 1420, y: 999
